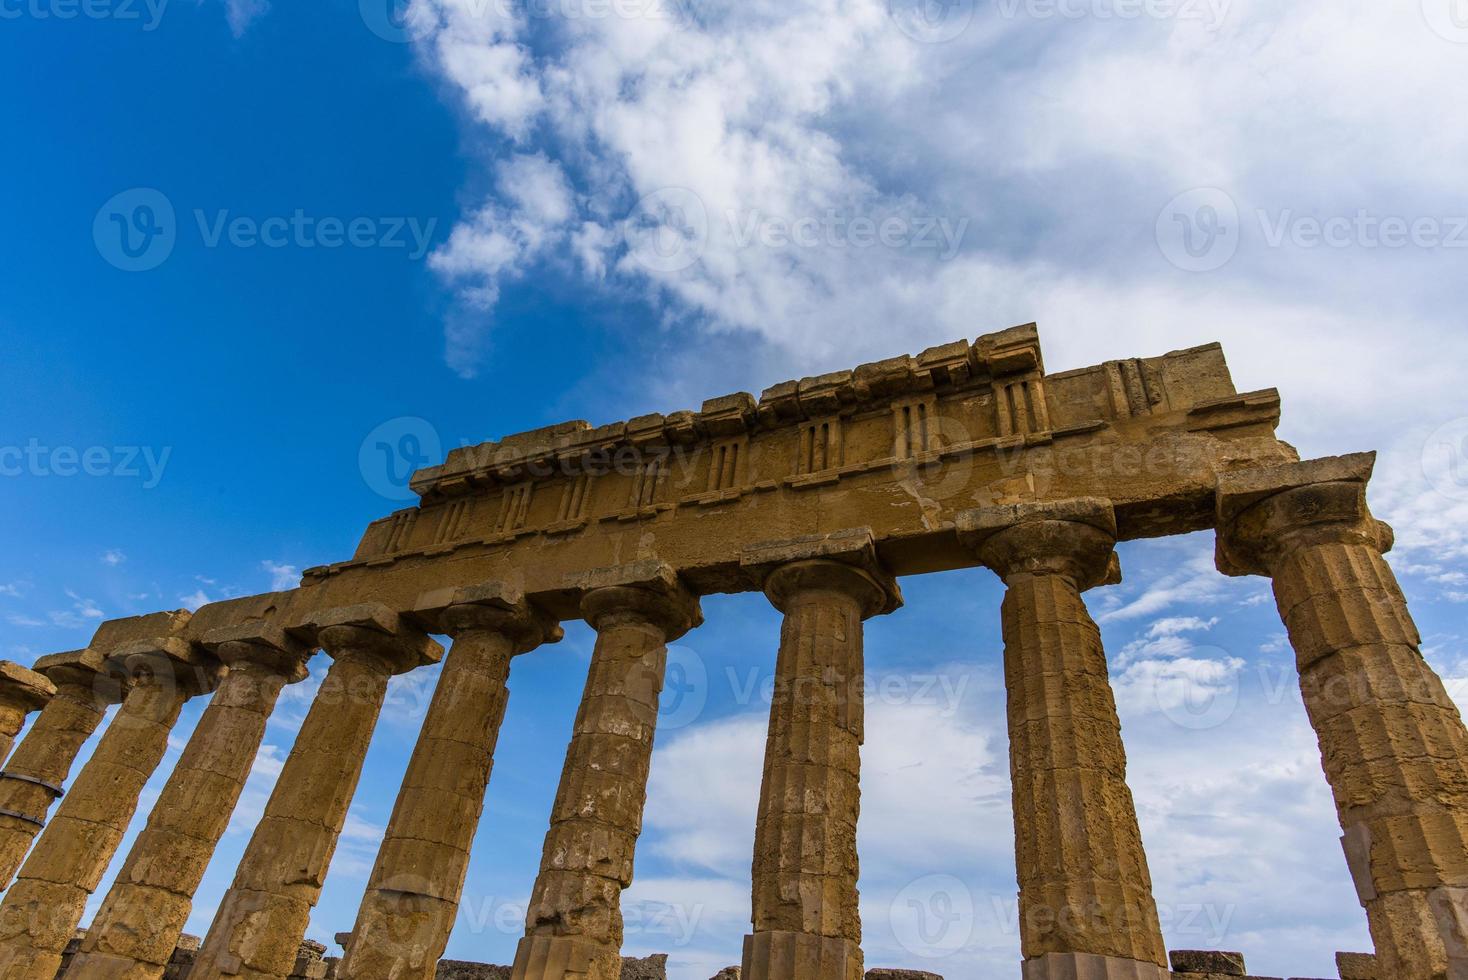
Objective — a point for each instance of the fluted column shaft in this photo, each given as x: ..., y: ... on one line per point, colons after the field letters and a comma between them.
x: 1392, y: 742
x: 1085, y: 892
x: 265, y: 913
x: 413, y: 896
x: 34, y: 776
x: 134, y: 934
x: 807, y: 924
x: 43, y: 907
x: 574, y: 925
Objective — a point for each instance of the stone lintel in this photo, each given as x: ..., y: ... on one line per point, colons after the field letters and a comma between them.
x: 1090, y: 966
x: 1357, y: 966
x: 493, y: 605
x: 1317, y: 492
x: 854, y: 547
x: 1011, y: 351
x: 261, y: 642
x: 1005, y: 536
x: 116, y: 632
x: 649, y: 588
x: 1208, y: 961
x: 408, y: 646
x: 24, y: 688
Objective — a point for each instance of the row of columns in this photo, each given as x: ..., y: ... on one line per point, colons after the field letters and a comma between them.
x: 1392, y: 742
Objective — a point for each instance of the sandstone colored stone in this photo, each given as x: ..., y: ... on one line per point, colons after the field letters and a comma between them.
x: 33, y: 777
x: 413, y: 895
x: 141, y: 921
x: 1391, y: 740
x: 806, y: 915
x: 628, y: 520
x: 22, y: 691
x: 263, y: 918
x: 575, y: 919
x: 1207, y: 961
x: 1085, y: 889
x: 1357, y: 966
x: 901, y: 975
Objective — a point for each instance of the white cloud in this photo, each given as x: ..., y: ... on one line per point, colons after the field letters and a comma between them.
x: 242, y: 13
x: 194, y: 600
x: 282, y: 576
x: 113, y: 557
x: 11, y: 589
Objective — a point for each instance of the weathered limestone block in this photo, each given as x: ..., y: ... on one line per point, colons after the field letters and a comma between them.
x: 413, y: 895
x: 653, y: 967
x: 260, y: 924
x: 807, y: 924
x: 727, y: 973
x: 34, y: 775
x: 1356, y: 966
x: 1086, y: 906
x: 1392, y: 742
x: 22, y: 691
x: 1207, y: 961
x: 42, y: 909
x: 459, y: 970
x: 901, y: 975
x: 139, y: 926
x: 574, y: 925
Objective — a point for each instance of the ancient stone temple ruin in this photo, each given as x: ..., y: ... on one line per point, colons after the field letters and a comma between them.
x: 822, y: 493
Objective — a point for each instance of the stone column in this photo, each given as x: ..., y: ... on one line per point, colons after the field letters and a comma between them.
x: 264, y: 915
x: 1085, y: 893
x: 34, y: 776
x: 21, y: 691
x: 1392, y: 742
x: 413, y: 896
x: 807, y: 924
x: 44, y: 906
x: 139, y: 925
x: 574, y: 926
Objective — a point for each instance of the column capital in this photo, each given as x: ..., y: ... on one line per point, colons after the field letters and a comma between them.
x: 83, y: 675
x: 24, y: 689
x: 643, y: 591
x: 262, y: 644
x: 377, y: 630
x: 1265, y: 513
x: 843, y: 561
x: 168, y: 660
x: 1075, y: 538
x: 494, y: 606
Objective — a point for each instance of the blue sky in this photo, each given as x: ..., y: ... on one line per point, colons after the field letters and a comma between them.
x: 491, y: 216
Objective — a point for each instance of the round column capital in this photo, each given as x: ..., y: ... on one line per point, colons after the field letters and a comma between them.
x: 374, y: 631
x: 526, y: 626
x: 675, y: 610
x: 1265, y: 515
x: 874, y: 592
x: 1074, y: 538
